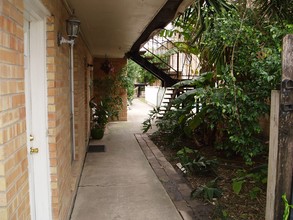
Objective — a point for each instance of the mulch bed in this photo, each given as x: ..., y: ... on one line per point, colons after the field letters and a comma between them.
x: 243, y: 206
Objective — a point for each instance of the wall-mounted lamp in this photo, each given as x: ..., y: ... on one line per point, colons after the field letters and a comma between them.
x: 107, y: 67
x: 90, y: 66
x: 72, y: 29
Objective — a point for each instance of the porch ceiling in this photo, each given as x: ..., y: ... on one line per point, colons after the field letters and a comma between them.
x: 112, y: 27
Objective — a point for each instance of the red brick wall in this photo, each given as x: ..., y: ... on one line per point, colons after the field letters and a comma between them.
x: 58, y: 113
x: 64, y: 171
x: 14, y: 185
x: 14, y: 188
x: 82, y: 96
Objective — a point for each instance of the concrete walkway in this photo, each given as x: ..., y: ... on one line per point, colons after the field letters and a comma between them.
x: 120, y: 183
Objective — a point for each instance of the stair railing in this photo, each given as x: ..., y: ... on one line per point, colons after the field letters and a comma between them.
x: 183, y: 66
x: 161, y: 60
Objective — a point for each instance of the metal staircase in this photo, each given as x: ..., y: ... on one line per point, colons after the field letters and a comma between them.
x: 152, y: 68
x: 170, y: 94
x: 161, y: 57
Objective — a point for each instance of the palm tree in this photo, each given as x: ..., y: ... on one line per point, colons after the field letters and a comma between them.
x: 276, y: 9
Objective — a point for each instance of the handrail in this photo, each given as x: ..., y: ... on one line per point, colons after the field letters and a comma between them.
x: 168, y: 41
x: 183, y: 64
x: 159, y: 59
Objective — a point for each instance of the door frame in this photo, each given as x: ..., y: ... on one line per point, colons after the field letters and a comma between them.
x: 39, y: 164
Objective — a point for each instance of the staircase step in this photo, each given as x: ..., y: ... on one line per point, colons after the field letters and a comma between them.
x: 148, y: 57
x: 142, y: 52
x: 162, y: 111
x: 170, y: 94
x: 165, y: 68
x: 157, y: 63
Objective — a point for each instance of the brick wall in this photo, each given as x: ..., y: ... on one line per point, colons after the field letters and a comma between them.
x: 14, y: 188
x: 14, y: 184
x: 64, y: 171
x: 81, y: 92
x: 118, y: 64
x: 58, y: 113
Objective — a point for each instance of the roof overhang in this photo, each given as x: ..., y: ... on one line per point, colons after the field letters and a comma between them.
x: 113, y: 28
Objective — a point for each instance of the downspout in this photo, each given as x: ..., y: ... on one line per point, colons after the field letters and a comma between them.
x: 62, y: 40
x: 72, y: 29
x: 71, y: 69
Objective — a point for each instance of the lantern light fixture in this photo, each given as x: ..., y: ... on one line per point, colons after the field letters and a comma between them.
x: 72, y: 29
x: 107, y: 66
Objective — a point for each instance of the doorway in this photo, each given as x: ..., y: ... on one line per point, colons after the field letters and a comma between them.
x: 36, y: 117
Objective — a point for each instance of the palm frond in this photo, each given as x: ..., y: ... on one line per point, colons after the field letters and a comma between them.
x: 276, y: 9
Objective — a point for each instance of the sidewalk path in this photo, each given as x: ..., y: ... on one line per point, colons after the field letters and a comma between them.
x: 120, y: 183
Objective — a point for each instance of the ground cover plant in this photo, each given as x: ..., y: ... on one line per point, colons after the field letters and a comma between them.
x: 236, y: 191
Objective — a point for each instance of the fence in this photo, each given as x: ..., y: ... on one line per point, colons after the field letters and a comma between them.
x: 281, y: 138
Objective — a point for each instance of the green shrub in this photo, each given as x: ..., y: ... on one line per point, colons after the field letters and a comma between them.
x: 195, y: 163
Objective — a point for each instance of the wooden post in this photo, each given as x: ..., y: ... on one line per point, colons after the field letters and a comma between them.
x: 284, y: 163
x: 273, y: 154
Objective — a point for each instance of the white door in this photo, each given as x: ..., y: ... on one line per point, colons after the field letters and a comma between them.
x: 36, y: 117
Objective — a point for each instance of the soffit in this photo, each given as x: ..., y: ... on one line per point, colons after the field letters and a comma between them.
x: 111, y: 27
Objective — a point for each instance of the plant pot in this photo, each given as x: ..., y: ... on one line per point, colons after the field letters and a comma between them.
x: 97, y: 133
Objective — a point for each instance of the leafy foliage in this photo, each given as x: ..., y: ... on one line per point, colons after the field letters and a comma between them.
x: 184, y: 155
x: 147, y: 124
x: 287, y: 207
x: 277, y: 9
x: 240, y: 58
x: 258, y: 176
x: 193, y: 162
x: 127, y: 81
x: 99, y: 115
x: 208, y: 191
x: 171, y: 129
x: 109, y: 95
x: 139, y: 74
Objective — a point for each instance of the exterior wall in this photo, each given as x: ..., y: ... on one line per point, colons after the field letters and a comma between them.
x: 82, y: 97
x: 14, y: 185
x: 118, y: 64
x: 154, y: 95
x: 64, y: 171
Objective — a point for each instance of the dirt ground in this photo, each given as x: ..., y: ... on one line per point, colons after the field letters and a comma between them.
x: 249, y: 204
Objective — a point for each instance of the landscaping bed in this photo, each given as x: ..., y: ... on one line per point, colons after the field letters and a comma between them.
x: 242, y: 187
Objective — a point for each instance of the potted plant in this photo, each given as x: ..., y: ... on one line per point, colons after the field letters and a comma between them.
x: 99, y: 120
x: 107, y: 90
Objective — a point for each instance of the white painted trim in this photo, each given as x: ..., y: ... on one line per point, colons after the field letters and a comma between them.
x: 35, y: 10
x: 40, y: 111
x: 28, y: 115
x: 36, y: 13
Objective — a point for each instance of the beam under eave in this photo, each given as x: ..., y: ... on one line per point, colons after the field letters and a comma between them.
x: 168, y: 81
